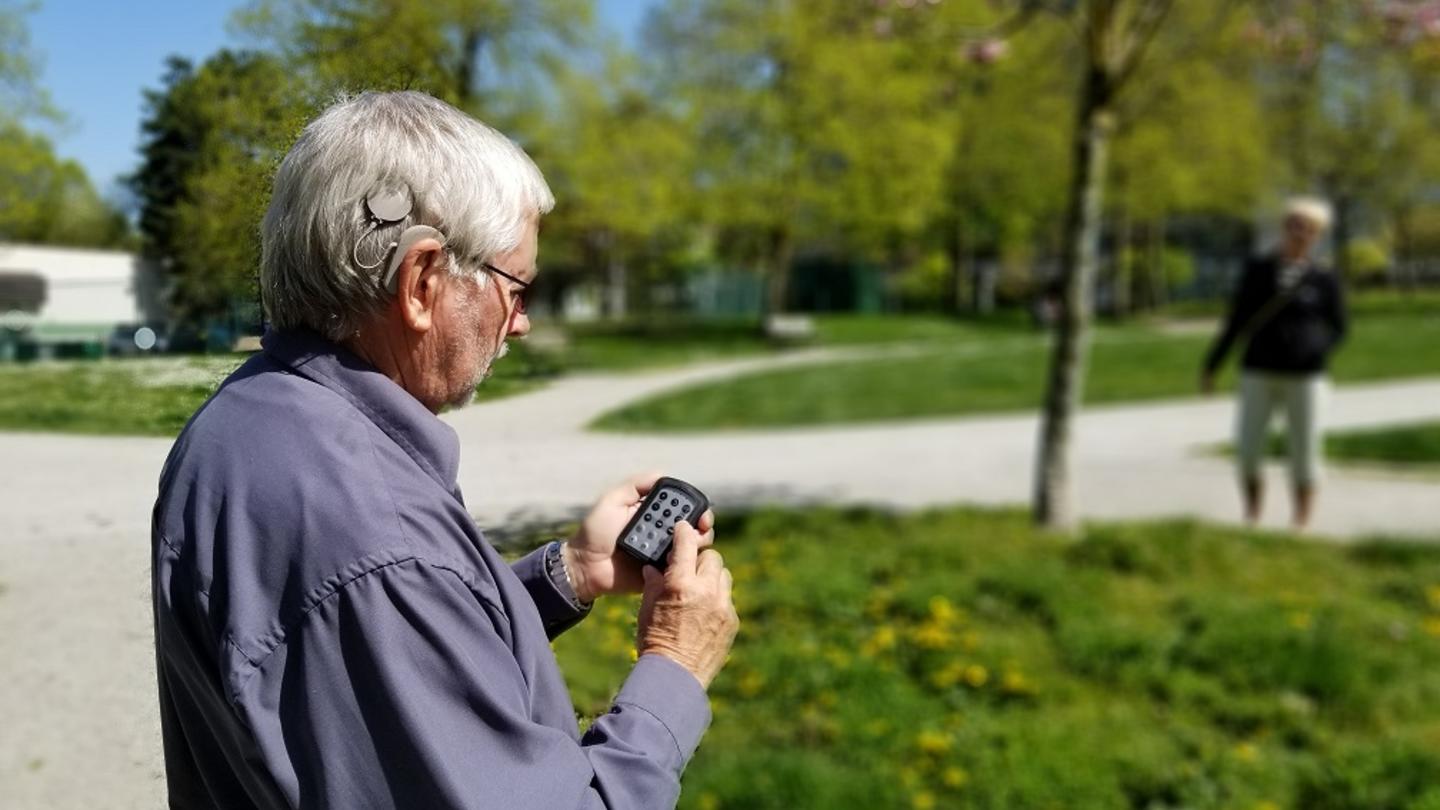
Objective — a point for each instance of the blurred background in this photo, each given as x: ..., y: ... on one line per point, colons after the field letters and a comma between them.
x: 917, y: 290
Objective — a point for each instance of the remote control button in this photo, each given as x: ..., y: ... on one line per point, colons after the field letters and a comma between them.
x: 655, y: 505
x: 674, y: 501
x: 650, y: 535
x: 685, y: 508
x: 666, y: 513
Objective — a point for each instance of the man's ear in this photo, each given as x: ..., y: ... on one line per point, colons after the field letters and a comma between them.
x: 419, y: 283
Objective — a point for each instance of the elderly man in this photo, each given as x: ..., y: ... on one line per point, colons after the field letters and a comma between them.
x: 331, y: 628
x: 1291, y: 311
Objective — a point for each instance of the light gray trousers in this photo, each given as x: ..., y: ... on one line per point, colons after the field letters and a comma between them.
x: 1303, y: 398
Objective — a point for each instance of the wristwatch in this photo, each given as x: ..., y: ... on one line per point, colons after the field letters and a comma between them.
x: 560, y: 576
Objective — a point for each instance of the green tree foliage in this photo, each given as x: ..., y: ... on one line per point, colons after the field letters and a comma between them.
x: 47, y: 200
x: 455, y: 50
x: 1355, y: 88
x: 1003, y: 169
x: 44, y: 199
x: 1191, y: 135
x: 22, y: 97
x: 811, y: 128
x: 212, y: 138
x: 619, y: 162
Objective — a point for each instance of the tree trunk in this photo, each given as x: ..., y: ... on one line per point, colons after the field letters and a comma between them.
x: 613, y: 302
x: 959, y: 275
x: 616, y: 286
x: 984, y: 274
x: 777, y: 282
x: 1121, y: 295
x: 466, y: 70
x: 1341, y: 231
x: 1161, y: 290
x: 1054, y: 497
x: 1401, y: 266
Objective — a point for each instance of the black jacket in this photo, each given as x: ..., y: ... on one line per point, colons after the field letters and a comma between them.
x: 1292, y: 334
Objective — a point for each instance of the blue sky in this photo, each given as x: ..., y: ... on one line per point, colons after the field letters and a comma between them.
x: 98, y: 55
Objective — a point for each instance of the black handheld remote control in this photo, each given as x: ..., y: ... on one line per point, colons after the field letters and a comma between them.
x: 649, y: 534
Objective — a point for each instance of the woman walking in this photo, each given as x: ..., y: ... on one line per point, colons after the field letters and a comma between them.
x: 1291, y: 312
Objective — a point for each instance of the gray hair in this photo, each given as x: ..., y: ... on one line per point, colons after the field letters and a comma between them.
x: 1315, y: 209
x: 322, y: 255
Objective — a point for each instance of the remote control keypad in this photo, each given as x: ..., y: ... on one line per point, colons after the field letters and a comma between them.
x: 658, y: 522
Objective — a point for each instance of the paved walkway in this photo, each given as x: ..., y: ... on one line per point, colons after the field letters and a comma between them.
x: 1143, y: 460
x: 78, y: 725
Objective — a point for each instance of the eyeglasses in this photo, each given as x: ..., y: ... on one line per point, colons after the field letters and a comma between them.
x: 516, y: 296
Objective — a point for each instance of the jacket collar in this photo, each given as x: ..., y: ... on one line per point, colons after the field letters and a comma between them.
x: 430, y: 442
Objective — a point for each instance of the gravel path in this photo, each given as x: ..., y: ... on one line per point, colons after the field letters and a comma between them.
x: 78, y: 724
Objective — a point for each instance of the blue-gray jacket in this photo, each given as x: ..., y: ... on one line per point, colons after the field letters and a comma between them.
x: 332, y: 630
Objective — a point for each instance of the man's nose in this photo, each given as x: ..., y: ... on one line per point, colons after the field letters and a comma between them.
x: 519, y: 325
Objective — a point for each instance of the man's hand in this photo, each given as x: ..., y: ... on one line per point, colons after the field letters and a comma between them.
x: 687, y: 614
x: 595, y: 564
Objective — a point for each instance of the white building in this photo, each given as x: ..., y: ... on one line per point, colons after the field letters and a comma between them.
x: 75, y: 295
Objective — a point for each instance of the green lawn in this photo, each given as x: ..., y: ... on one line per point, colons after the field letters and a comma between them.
x: 1361, y: 303
x: 959, y: 659
x: 660, y: 342
x: 961, y: 367
x: 153, y: 397
x: 641, y: 344
x: 996, y: 371
x: 1409, y: 446
x: 156, y: 396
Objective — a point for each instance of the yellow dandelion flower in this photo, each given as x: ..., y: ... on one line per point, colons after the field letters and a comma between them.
x: 881, y: 640
x: 1266, y: 805
x: 948, y: 675
x: 923, y: 800
x: 1014, y: 682
x: 933, y: 742
x: 954, y: 777
x: 634, y: 655
x: 837, y: 657
x: 1431, y: 626
x: 1247, y: 752
x: 932, y: 636
x: 976, y: 676
x: 1300, y: 619
x: 708, y: 801
x: 1432, y: 595
x: 941, y: 611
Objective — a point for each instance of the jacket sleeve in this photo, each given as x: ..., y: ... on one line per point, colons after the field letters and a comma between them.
x: 557, y: 612
x: 401, y: 690
x: 1242, y: 308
